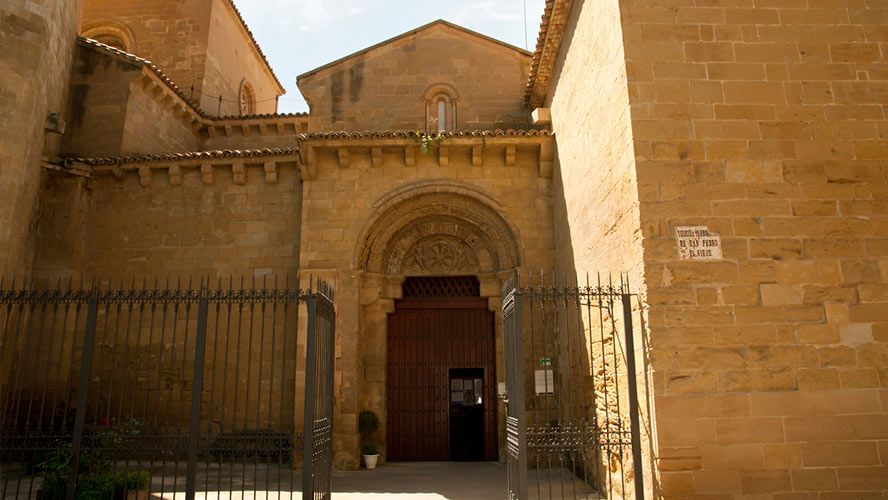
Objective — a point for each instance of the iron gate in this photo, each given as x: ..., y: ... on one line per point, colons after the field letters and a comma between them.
x: 572, y: 423
x: 114, y: 392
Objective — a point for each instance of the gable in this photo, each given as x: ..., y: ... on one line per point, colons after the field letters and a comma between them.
x: 387, y: 86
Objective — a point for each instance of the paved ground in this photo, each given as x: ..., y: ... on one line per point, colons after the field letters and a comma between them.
x: 397, y: 481
x: 423, y: 481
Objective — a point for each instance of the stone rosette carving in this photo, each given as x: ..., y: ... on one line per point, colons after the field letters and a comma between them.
x: 440, y: 255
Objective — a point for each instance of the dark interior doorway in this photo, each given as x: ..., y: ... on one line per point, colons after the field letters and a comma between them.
x: 440, y: 335
x: 466, y: 414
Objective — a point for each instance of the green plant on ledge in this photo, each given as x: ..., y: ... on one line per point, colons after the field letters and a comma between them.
x: 429, y: 142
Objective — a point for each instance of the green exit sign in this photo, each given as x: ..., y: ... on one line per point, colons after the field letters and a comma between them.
x: 545, y: 361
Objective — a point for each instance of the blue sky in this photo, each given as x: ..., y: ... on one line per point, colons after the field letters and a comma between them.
x: 300, y: 35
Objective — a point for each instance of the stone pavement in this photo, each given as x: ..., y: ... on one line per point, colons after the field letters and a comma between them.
x: 423, y: 481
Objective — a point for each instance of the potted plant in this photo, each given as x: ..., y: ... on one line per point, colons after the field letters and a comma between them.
x: 368, y: 422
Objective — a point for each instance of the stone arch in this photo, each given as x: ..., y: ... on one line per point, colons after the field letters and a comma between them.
x: 437, y: 228
x: 112, y: 33
x: 441, y: 101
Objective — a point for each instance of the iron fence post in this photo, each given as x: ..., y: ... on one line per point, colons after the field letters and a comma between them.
x: 196, y: 389
x: 311, y: 305
x: 632, y: 381
x: 89, y: 336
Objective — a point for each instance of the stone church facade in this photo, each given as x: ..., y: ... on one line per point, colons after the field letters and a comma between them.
x: 142, y: 141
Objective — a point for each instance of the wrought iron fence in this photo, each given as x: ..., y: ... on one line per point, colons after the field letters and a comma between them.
x: 111, y: 392
x: 572, y: 423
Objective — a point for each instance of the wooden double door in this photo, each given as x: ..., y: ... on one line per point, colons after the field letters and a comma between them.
x: 441, y: 381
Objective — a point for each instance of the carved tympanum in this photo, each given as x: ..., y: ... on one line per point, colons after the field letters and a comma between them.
x: 440, y: 255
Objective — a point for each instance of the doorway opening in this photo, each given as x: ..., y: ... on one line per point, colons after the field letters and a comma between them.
x: 441, y: 375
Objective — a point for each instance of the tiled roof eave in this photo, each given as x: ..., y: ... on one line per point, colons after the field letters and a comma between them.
x: 418, y: 135
x: 548, y: 44
x: 178, y: 90
x: 256, y: 45
x: 188, y: 156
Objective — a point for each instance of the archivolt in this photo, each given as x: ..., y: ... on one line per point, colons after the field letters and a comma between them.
x: 437, y: 228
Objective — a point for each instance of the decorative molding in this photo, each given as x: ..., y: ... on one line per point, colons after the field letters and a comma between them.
x: 440, y: 255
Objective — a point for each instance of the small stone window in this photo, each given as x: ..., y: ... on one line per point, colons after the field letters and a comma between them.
x: 440, y: 108
x: 247, y: 100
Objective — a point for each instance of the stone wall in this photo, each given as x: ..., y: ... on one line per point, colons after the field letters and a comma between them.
x: 764, y: 121
x: 383, y: 87
x: 120, y: 107
x: 597, y: 225
x: 170, y: 33
x: 199, y: 43
x: 371, y: 200
x: 192, y: 228
x: 232, y: 60
x: 36, y: 52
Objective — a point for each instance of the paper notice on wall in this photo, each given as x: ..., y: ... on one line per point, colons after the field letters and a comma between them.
x: 697, y: 243
x: 456, y: 391
x: 544, y: 381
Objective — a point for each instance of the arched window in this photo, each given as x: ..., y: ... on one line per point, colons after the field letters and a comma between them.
x: 440, y: 108
x: 111, y: 33
x: 112, y: 41
x: 247, y: 100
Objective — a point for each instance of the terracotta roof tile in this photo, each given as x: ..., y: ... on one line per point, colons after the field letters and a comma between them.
x: 549, y: 41
x: 255, y: 43
x: 193, y: 155
x: 175, y: 88
x: 406, y: 134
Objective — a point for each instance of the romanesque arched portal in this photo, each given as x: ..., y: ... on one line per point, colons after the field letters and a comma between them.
x: 432, y: 229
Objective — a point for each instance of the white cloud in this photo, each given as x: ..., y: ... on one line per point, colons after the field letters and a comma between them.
x: 303, y: 14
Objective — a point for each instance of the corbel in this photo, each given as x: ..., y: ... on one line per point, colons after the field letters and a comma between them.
x: 280, y: 128
x: 206, y: 173
x: 510, y: 154
x: 376, y: 153
x: 476, y: 156
x: 309, y: 172
x: 144, y: 175
x: 271, y: 175
x: 227, y: 130
x: 245, y: 129
x: 410, y: 156
x: 343, y: 157
x: 175, y: 175
x: 547, y: 156
x: 263, y: 129
x: 211, y: 131
x: 240, y: 173
x: 117, y: 172
x: 158, y: 93
x: 443, y: 158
